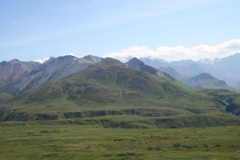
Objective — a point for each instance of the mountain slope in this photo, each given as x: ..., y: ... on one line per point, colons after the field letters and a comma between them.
x: 173, y: 72
x: 14, y: 70
x: 229, y: 64
x: 231, y: 100
x: 206, y: 81
x: 52, y: 70
x: 139, y: 65
x: 154, y: 62
x: 237, y: 87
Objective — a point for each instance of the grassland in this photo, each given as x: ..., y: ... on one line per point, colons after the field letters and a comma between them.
x: 24, y: 141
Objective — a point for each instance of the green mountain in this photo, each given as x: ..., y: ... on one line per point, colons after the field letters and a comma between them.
x: 111, y: 94
x: 107, y: 82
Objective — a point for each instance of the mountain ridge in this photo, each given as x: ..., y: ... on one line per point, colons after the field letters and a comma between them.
x: 139, y: 65
x: 225, y: 69
x: 111, y: 88
x: 177, y: 69
x: 51, y: 70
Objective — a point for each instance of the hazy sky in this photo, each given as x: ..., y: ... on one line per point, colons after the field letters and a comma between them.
x: 168, y: 29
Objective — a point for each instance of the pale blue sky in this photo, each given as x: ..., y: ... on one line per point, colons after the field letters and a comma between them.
x: 37, y: 29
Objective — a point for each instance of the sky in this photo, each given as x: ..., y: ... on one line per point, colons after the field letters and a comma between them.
x: 169, y: 29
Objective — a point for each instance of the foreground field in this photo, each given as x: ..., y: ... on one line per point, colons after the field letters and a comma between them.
x: 71, y: 142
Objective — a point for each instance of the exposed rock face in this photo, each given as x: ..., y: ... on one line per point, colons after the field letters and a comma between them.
x: 14, y: 70
x: 52, y: 70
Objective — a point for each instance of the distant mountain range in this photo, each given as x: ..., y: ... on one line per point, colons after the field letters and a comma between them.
x: 17, y: 76
x: 226, y: 69
x: 70, y: 87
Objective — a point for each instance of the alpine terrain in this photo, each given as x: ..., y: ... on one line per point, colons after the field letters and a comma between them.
x: 107, y: 92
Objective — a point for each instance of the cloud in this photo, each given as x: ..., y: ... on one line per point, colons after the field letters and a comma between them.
x: 71, y: 54
x: 180, y: 52
x: 41, y: 60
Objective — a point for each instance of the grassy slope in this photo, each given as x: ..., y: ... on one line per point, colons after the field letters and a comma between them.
x: 231, y: 99
x: 4, y: 97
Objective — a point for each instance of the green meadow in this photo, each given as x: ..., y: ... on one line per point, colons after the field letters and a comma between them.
x: 32, y: 140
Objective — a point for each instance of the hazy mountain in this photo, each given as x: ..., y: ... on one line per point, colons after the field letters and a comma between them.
x: 226, y: 69
x: 206, y: 81
x: 237, y: 87
x: 188, y: 67
x: 173, y: 72
x: 52, y: 70
x: 229, y: 64
x: 14, y: 70
x: 155, y: 62
x: 139, y: 65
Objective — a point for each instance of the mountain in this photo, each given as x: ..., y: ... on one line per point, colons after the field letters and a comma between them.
x: 230, y: 64
x: 105, y: 92
x: 237, y: 87
x: 173, y: 72
x: 206, y: 81
x: 92, y: 90
x: 226, y: 69
x: 154, y: 62
x: 14, y: 70
x: 139, y: 65
x: 189, y: 67
x: 107, y: 82
x: 52, y: 70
